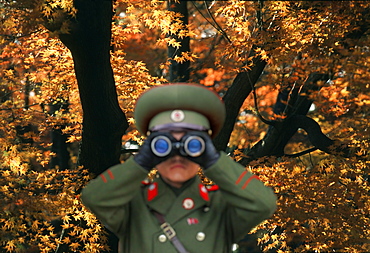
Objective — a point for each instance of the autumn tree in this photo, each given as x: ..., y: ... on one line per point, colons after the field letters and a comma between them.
x: 293, y: 76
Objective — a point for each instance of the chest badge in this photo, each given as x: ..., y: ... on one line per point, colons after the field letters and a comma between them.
x: 188, y: 203
x: 192, y: 221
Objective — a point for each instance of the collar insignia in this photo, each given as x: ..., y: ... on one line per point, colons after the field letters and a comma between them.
x: 152, y: 191
x: 203, y: 192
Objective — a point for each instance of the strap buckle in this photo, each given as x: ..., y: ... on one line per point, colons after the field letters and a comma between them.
x: 168, y: 230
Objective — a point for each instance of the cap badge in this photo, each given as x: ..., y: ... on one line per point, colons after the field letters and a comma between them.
x: 177, y: 116
x: 188, y: 203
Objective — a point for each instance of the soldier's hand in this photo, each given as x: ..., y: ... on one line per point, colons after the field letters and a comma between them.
x: 146, y: 158
x: 210, y: 154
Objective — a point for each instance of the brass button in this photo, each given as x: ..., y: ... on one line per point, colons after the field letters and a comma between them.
x: 162, y: 238
x: 235, y: 247
x: 201, y: 236
x: 206, y: 209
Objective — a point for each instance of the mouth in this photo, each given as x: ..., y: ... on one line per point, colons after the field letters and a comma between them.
x: 177, y: 166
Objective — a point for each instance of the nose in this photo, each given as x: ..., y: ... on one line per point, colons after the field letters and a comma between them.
x: 178, y: 135
x: 177, y: 158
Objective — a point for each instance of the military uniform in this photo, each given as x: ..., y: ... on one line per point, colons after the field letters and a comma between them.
x: 205, y: 219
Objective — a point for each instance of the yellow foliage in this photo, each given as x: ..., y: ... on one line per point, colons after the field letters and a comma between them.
x: 323, y: 200
x: 318, y: 206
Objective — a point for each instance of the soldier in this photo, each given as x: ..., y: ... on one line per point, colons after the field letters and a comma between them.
x: 176, y: 212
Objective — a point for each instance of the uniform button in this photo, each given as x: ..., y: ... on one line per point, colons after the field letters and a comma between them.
x: 206, y: 209
x: 201, y: 236
x: 162, y: 238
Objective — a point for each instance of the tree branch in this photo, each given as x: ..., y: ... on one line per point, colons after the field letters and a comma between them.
x: 234, y: 98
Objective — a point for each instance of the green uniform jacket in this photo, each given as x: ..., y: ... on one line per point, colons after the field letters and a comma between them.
x: 205, y: 220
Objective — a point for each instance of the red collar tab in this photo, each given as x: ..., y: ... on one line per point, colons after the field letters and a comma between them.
x: 152, y: 191
x: 203, y: 192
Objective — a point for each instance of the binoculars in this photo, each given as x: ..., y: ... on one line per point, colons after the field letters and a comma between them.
x: 189, y: 146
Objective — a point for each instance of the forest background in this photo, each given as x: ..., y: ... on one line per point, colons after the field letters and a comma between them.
x: 294, y: 76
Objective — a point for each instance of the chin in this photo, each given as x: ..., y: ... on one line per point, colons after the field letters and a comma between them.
x: 177, y: 180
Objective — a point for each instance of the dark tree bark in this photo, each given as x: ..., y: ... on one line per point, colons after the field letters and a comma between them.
x: 60, y: 148
x: 240, y: 89
x: 179, y: 72
x: 104, y: 123
x: 59, y: 140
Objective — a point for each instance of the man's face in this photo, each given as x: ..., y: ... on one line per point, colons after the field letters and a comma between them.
x: 177, y: 169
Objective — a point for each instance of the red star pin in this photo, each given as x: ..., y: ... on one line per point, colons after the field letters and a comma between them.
x: 192, y: 221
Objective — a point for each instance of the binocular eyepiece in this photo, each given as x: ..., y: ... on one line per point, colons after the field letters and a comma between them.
x: 190, y: 146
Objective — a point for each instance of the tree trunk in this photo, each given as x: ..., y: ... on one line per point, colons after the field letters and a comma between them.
x: 104, y: 123
x: 60, y: 146
x: 179, y: 72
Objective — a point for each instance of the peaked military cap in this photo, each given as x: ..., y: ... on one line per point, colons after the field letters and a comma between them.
x: 179, y: 105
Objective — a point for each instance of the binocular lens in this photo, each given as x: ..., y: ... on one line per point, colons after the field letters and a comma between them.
x: 161, y: 146
x: 194, y: 146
